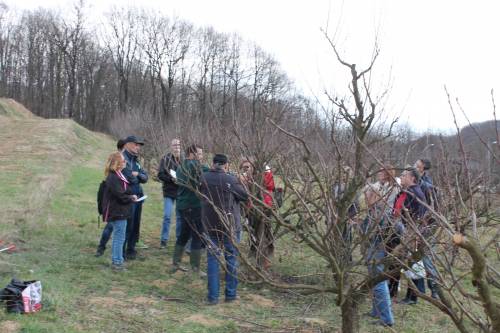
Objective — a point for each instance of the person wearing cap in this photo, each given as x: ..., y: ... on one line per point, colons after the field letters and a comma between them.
x: 108, y: 228
x: 189, y: 206
x: 220, y: 191
x: 137, y: 176
x: 166, y: 173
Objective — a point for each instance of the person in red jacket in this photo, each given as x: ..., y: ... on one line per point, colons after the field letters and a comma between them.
x: 258, y: 212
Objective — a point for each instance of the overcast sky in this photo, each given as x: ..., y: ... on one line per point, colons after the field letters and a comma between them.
x: 424, y: 45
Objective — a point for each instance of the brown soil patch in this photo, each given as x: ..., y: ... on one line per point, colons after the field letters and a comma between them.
x: 105, y: 301
x: 164, y: 284
x: 9, y: 326
x: 203, y: 320
x: 117, y: 293
x: 141, y: 300
x: 260, y: 300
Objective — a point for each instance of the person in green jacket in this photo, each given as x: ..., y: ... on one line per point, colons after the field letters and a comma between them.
x: 189, y: 205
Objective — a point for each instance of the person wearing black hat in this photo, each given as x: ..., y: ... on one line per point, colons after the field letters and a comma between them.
x: 219, y: 191
x: 137, y: 176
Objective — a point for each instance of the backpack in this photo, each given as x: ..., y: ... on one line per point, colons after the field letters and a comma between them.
x: 100, y: 197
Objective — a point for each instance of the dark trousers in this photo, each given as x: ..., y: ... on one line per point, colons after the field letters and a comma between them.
x: 106, y: 235
x: 133, y: 228
x: 191, y: 227
x: 410, y: 293
x: 394, y: 283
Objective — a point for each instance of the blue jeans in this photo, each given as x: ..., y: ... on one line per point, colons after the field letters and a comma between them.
x: 216, y: 249
x: 119, y: 228
x: 168, y: 205
x: 381, y: 303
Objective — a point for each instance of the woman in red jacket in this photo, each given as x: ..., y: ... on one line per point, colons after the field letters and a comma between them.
x: 258, y: 212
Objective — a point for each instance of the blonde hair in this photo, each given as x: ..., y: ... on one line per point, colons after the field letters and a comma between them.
x: 114, y: 163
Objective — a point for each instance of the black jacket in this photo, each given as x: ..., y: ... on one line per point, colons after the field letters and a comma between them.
x: 167, y: 163
x: 134, y: 165
x: 220, y: 191
x: 117, y: 200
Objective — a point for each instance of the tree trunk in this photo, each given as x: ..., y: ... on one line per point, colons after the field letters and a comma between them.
x: 350, y: 314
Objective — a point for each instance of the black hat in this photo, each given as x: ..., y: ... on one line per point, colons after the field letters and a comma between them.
x: 220, y: 159
x: 135, y: 139
x: 120, y: 144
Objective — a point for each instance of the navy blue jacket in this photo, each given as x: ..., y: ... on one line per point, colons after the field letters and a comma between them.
x: 220, y: 192
x: 135, y: 181
x: 415, y: 207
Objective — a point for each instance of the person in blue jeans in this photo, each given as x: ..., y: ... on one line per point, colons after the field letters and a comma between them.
x: 108, y: 228
x: 118, y: 199
x: 380, y: 199
x: 381, y: 301
x: 167, y: 174
x: 220, y: 192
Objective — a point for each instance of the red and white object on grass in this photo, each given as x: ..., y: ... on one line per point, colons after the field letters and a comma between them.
x: 8, y: 248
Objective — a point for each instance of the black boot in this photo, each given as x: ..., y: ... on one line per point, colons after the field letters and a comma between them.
x: 99, y: 252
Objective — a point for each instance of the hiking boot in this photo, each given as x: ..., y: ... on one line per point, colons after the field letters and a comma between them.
x: 199, y: 273
x: 99, y: 252
x: 118, y: 267
x: 381, y: 323
x: 211, y: 302
x: 163, y: 244
x: 232, y: 299
x: 408, y: 301
x: 131, y: 256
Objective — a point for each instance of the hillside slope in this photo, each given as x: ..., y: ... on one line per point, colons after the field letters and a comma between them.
x: 35, y: 157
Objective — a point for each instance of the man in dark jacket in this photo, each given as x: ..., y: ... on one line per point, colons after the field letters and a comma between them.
x: 219, y: 192
x: 189, y: 206
x: 167, y: 174
x: 136, y: 176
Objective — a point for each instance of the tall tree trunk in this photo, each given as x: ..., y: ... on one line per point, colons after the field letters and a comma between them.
x: 350, y: 313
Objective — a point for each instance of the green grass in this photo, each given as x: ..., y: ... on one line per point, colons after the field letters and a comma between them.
x: 82, y: 294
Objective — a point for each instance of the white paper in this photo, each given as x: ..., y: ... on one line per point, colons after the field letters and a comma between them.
x: 173, y: 174
x: 141, y: 198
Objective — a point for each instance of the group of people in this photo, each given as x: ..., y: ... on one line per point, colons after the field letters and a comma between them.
x: 393, y: 204
x: 209, y: 203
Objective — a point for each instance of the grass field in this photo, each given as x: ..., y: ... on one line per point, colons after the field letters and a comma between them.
x: 50, y: 172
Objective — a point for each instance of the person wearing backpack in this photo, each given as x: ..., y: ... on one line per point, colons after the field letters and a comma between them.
x: 117, y: 200
x: 108, y: 229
